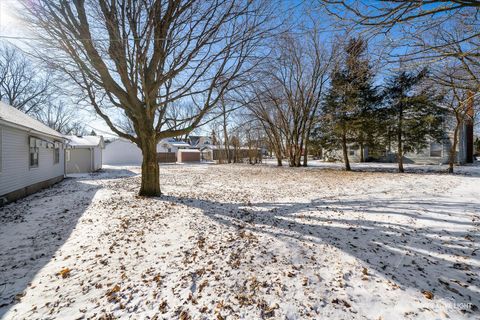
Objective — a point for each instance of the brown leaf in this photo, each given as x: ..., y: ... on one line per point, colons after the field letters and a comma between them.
x: 341, y: 301
x: 64, y: 273
x: 163, y: 306
x: 111, y: 293
x: 428, y: 294
x: 184, y: 315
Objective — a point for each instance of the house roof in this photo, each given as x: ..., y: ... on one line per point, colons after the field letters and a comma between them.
x: 16, y: 117
x: 180, y: 144
x: 175, y: 143
x: 195, y: 140
x: 217, y: 147
x: 85, y: 141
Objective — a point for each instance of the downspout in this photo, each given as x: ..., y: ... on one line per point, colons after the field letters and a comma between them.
x: 65, y: 161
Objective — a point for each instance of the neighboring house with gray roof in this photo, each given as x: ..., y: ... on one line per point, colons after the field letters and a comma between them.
x: 172, y: 145
x: 31, y: 154
x: 84, y: 154
x: 125, y: 152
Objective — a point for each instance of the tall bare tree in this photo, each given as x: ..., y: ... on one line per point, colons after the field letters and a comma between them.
x: 21, y: 84
x: 390, y: 12
x: 453, y: 77
x: 289, y: 91
x: 409, y: 21
x: 61, y: 117
x: 140, y: 57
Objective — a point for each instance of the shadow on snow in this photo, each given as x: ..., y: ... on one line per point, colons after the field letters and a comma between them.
x: 33, y: 229
x: 411, y: 254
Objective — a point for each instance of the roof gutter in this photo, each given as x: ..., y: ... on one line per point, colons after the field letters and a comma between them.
x: 30, y: 130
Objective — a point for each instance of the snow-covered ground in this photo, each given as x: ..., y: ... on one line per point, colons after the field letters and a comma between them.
x: 246, y: 242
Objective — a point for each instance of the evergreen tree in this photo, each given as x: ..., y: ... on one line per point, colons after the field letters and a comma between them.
x: 347, y: 109
x: 413, y: 114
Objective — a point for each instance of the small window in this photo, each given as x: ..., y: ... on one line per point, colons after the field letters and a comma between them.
x: 67, y: 155
x: 56, y: 155
x: 169, y: 150
x: 352, y: 152
x: 435, y: 149
x: 34, y: 151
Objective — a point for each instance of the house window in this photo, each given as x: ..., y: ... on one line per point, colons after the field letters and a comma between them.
x: 169, y: 150
x: 352, y: 152
x: 435, y: 149
x: 34, y: 151
x: 56, y: 155
x: 67, y: 155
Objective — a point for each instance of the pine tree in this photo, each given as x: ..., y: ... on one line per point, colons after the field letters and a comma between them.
x: 346, y: 114
x: 412, y: 113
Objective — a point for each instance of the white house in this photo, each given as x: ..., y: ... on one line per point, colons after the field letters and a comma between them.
x: 84, y: 154
x: 31, y: 154
x: 122, y: 152
x: 125, y: 152
x: 199, y: 141
x: 171, y: 145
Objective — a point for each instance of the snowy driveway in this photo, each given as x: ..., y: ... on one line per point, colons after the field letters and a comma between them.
x: 245, y: 242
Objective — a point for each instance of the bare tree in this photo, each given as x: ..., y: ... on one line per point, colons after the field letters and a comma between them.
x: 412, y: 18
x: 61, y: 117
x: 459, y: 88
x: 446, y: 46
x: 21, y: 84
x: 140, y: 57
x: 289, y: 92
x: 226, y: 142
x: 264, y: 110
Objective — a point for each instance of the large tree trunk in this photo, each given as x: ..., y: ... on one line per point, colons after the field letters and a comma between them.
x: 305, y: 154
x: 400, y: 159
x: 345, y: 152
x: 279, y: 160
x: 298, y: 155
x: 453, y: 148
x: 400, y: 152
x: 399, y: 141
x: 225, y: 135
x: 362, y: 151
x: 150, y: 170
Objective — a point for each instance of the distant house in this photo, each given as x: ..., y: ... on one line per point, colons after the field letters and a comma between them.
x: 125, y: 152
x: 31, y: 154
x: 122, y: 152
x: 172, y: 145
x: 84, y: 154
x: 188, y: 155
x: 434, y: 153
x: 199, y: 142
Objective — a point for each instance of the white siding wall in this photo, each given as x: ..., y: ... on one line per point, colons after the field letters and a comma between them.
x: 163, y: 147
x: 97, y: 158
x: 80, y: 160
x: 15, y: 172
x: 122, y: 152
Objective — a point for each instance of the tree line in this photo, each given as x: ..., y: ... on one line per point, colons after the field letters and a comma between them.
x: 156, y: 69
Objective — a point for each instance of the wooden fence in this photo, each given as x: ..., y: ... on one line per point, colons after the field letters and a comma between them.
x: 163, y: 157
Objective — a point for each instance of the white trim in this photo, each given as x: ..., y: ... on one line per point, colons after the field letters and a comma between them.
x: 29, y: 130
